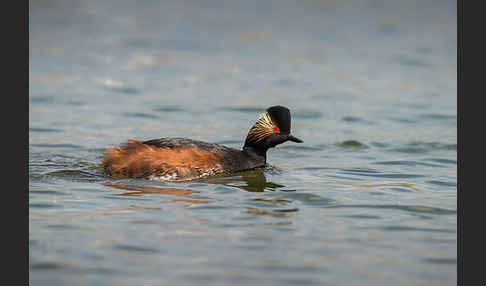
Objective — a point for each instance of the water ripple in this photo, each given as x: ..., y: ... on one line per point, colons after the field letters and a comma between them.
x: 307, y: 114
x: 43, y: 205
x: 442, y: 161
x: 245, y: 109
x: 441, y: 260
x: 169, y: 109
x: 406, y: 228
x: 439, y: 116
x: 123, y: 89
x: 352, y: 144
x: 40, y: 129
x: 355, y: 119
x: 140, y: 115
x: 406, y: 163
x: 136, y: 248
x: 409, y: 208
x: 77, y: 175
x: 300, y: 148
x: 306, y: 198
x: 65, y: 267
x: 57, y: 146
x: 443, y: 183
x: 257, y: 211
x: 424, y: 147
x: 378, y: 174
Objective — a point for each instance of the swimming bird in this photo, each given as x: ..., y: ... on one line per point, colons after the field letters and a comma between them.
x: 180, y: 159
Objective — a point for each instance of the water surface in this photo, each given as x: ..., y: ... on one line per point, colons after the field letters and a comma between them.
x: 370, y: 198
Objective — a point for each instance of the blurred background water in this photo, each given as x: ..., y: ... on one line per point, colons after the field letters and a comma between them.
x: 370, y: 198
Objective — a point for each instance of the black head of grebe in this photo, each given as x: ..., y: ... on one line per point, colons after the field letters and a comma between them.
x: 271, y: 129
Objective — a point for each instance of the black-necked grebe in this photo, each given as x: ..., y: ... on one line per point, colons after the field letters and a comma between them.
x: 175, y: 159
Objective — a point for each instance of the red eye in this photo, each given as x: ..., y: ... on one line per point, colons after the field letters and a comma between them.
x: 276, y: 130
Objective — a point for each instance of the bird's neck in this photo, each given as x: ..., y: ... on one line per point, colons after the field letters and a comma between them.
x: 256, y: 152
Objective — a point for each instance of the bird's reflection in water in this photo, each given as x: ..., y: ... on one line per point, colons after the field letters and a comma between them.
x: 255, y: 181
x: 179, y: 194
x: 250, y: 181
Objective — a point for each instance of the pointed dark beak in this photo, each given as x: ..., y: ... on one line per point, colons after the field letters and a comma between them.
x: 294, y: 139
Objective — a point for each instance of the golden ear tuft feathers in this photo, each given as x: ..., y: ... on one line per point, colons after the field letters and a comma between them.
x: 264, y: 127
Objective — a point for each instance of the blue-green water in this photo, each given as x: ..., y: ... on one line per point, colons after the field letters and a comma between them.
x: 369, y: 198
